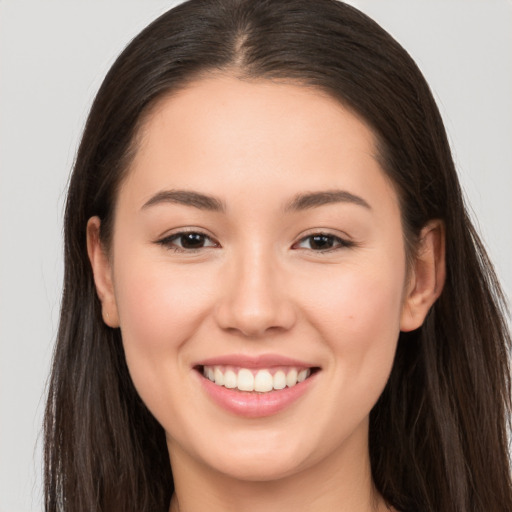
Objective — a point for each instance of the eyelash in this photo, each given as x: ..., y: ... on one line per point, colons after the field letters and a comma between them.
x: 341, y: 243
x: 168, y: 242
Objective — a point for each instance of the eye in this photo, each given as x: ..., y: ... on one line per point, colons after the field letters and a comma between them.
x: 187, y: 241
x: 321, y: 242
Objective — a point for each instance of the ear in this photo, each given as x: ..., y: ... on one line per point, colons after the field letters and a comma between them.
x: 102, y: 271
x: 427, y: 276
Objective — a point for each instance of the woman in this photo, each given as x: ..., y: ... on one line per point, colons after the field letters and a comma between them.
x: 272, y: 286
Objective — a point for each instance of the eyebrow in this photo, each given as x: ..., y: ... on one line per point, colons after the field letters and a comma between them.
x: 300, y: 202
x: 315, y: 199
x: 187, y: 198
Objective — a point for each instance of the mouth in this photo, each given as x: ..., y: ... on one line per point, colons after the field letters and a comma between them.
x: 256, y: 386
x: 257, y: 380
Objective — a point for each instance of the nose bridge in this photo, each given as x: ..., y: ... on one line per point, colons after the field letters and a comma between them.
x: 256, y: 298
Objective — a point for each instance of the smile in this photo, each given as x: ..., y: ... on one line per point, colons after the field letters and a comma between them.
x: 256, y: 387
x: 259, y: 380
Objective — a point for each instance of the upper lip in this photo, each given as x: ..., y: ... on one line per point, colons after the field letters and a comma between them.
x: 258, y: 361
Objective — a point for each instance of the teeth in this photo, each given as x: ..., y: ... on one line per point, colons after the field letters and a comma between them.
x: 261, y: 381
x: 302, y: 375
x: 291, y: 378
x: 279, y: 380
x: 219, y: 377
x: 230, y: 379
x: 245, y: 380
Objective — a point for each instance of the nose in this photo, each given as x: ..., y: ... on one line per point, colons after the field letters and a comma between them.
x: 255, y: 300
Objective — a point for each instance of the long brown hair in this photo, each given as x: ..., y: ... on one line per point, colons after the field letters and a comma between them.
x: 438, y: 434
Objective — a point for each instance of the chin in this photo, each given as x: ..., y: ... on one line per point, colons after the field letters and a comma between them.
x: 263, y: 469
x: 260, y: 459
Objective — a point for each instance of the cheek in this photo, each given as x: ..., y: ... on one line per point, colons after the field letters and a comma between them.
x: 358, y: 316
x: 156, y: 303
x: 160, y: 309
x: 371, y: 306
x: 359, y: 321
x: 358, y: 300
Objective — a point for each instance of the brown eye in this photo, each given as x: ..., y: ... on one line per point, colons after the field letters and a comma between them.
x: 187, y: 241
x: 323, y: 242
x: 191, y: 240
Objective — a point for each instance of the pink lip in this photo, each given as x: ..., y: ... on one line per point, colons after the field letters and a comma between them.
x: 252, y: 404
x: 261, y: 361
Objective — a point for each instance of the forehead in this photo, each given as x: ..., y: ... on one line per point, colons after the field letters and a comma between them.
x: 252, y: 136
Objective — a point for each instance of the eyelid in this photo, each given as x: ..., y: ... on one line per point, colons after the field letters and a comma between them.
x: 167, y: 239
x: 343, y: 242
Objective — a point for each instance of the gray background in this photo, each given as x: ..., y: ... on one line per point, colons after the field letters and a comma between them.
x: 53, y: 56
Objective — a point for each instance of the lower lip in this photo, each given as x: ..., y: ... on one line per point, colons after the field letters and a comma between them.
x: 253, y: 404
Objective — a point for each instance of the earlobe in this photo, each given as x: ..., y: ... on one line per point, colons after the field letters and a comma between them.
x: 102, y: 271
x: 427, y: 276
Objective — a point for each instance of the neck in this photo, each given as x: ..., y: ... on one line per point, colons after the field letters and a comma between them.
x: 340, y: 482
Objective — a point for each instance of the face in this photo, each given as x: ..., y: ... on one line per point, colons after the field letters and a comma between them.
x: 257, y: 243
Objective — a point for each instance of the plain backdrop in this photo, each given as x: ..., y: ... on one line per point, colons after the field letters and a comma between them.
x: 53, y: 56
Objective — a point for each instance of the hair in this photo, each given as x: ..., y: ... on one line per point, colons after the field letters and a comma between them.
x: 438, y: 435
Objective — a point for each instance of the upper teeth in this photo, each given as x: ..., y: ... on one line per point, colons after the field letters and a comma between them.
x: 262, y: 381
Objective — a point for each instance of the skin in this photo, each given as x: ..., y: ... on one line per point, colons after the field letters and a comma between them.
x: 259, y: 287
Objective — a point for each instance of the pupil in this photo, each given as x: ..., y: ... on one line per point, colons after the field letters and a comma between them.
x: 321, y: 242
x: 192, y: 240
